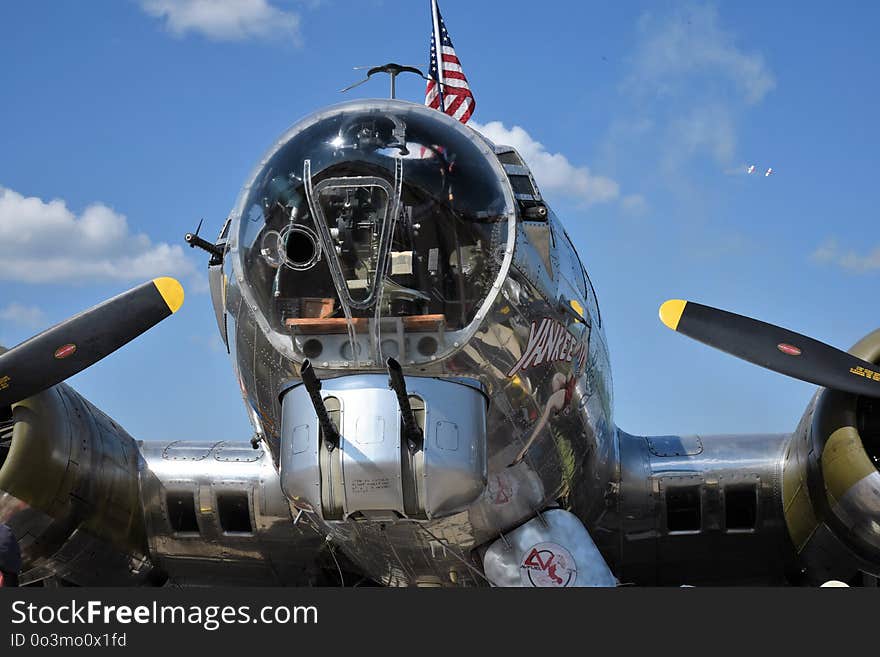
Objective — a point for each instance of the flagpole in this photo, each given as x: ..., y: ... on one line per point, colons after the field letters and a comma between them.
x: 438, y: 53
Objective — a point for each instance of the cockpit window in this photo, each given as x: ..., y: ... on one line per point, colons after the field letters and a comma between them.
x: 361, y: 210
x: 374, y: 229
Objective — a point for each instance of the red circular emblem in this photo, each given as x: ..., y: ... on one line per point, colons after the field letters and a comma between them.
x: 789, y: 350
x: 548, y: 565
x: 65, y: 351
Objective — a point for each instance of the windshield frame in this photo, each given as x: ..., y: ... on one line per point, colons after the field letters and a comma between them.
x: 235, y: 257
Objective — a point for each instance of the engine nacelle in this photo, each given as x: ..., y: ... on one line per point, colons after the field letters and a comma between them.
x: 831, y: 482
x: 69, y: 491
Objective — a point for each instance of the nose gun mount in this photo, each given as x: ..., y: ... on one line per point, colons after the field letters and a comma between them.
x: 387, y: 464
x: 413, y: 432
x: 215, y: 250
x: 313, y: 387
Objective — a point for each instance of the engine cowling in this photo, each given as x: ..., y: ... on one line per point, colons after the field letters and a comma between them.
x: 69, y: 491
x: 831, y: 481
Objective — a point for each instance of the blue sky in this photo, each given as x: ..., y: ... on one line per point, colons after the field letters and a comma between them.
x: 124, y: 122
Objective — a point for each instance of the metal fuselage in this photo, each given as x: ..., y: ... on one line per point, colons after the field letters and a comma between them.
x: 540, y: 357
x: 380, y: 229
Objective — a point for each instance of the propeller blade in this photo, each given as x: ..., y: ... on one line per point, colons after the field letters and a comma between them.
x: 773, y: 347
x: 79, y: 342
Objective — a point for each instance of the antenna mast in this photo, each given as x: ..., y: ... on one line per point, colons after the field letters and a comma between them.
x: 393, y: 70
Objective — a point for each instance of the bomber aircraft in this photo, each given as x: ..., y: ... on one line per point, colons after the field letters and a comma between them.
x: 423, y: 360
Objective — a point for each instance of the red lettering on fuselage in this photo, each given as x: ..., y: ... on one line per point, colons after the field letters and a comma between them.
x: 550, y: 342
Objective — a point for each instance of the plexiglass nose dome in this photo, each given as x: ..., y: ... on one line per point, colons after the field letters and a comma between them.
x: 373, y: 229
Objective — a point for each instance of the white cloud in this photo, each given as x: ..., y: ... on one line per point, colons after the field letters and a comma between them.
x: 697, y: 82
x: 708, y: 129
x: 552, y: 171
x: 17, y: 313
x: 44, y: 242
x: 691, y: 42
x: 226, y: 20
x: 830, y: 253
x: 634, y: 204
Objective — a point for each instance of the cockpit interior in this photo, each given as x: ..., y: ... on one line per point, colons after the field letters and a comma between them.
x: 374, y: 234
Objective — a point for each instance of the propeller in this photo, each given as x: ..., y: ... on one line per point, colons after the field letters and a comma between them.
x: 81, y: 341
x: 773, y: 347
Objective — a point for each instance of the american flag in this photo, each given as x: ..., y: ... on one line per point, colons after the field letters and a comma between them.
x: 448, y: 85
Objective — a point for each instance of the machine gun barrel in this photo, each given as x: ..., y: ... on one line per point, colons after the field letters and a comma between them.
x: 313, y: 387
x: 414, y: 436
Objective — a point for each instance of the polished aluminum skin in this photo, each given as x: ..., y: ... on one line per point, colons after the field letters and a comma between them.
x: 374, y: 474
x: 265, y: 547
x: 496, y: 346
x: 382, y: 229
x: 675, y: 520
x: 535, y: 554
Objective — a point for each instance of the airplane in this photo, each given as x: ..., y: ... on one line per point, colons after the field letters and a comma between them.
x: 423, y: 359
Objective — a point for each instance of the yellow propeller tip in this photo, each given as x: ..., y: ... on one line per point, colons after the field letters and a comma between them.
x: 671, y: 311
x: 171, y: 291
